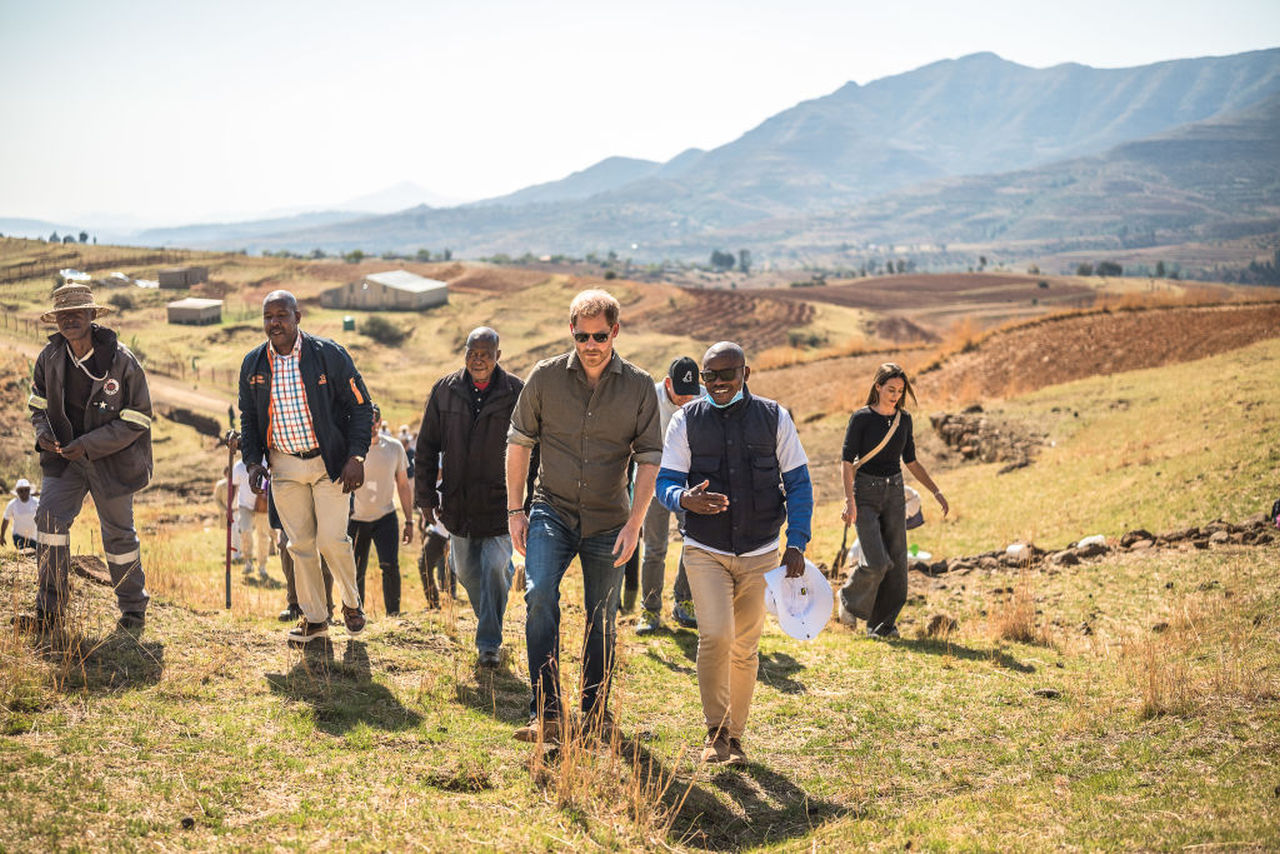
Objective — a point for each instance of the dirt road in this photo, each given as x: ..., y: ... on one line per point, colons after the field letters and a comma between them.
x: 165, y: 391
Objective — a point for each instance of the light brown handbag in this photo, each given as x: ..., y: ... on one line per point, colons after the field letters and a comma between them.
x: 859, y: 593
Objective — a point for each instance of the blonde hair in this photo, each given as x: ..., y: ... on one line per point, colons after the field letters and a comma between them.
x: 593, y: 303
x: 886, y: 372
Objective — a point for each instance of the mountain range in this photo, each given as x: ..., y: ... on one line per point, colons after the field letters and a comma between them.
x: 969, y: 149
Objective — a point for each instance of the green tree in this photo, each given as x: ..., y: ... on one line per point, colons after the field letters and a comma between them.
x: 84, y: 237
x: 355, y: 256
x: 1160, y: 269
x: 1084, y: 269
x: 1109, y: 268
x: 424, y: 255
x: 744, y: 260
x: 722, y: 261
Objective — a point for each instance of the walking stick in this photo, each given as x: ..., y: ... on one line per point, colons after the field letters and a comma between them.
x: 230, y: 440
x: 838, y: 563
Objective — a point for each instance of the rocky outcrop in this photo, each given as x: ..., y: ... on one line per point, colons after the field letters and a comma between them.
x: 977, y: 436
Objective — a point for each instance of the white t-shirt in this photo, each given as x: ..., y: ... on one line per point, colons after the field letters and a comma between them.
x: 376, y: 497
x: 244, y: 492
x: 23, y: 515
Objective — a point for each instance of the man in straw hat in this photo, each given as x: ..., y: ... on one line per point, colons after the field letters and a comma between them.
x: 91, y: 410
x: 734, y: 464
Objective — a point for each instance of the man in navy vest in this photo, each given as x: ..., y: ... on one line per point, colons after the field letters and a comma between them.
x: 734, y: 464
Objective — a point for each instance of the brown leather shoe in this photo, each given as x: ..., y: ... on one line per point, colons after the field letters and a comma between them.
x: 717, y: 746
x: 736, y: 753
x: 306, y: 632
x: 354, y: 619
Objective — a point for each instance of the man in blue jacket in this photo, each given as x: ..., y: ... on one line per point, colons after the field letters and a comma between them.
x: 305, y: 412
x: 733, y: 463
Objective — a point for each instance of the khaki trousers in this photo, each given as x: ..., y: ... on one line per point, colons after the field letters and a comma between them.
x: 313, y: 510
x: 255, y: 536
x: 728, y: 596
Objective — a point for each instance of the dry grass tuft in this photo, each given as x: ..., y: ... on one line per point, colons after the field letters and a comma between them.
x: 1014, y: 618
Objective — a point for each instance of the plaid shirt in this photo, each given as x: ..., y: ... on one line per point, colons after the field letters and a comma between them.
x: 289, y: 427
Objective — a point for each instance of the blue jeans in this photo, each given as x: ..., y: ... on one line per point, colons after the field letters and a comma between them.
x: 551, y: 546
x: 484, y: 567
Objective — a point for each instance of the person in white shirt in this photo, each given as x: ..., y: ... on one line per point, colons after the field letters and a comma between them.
x: 373, y: 514
x: 22, y: 512
x: 255, y: 527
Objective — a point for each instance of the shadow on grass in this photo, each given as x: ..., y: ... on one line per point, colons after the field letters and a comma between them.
x: 498, y: 692
x: 342, y: 693
x: 268, y: 583
x: 776, y: 670
x: 934, y: 646
x: 107, y: 663
x: 776, y: 808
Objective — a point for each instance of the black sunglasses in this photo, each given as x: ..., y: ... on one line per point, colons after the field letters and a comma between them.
x: 601, y: 337
x: 724, y: 374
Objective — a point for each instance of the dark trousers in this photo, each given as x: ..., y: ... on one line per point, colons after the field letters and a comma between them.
x: 60, y: 502
x: 20, y: 542
x: 882, y: 540
x: 384, y: 534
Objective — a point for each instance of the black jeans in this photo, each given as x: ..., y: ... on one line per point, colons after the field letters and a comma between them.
x: 882, y: 539
x: 384, y: 533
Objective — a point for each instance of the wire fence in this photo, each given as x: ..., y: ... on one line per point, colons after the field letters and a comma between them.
x: 21, y: 270
x: 227, y: 379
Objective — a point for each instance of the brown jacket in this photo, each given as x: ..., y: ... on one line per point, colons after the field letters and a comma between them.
x: 117, y: 428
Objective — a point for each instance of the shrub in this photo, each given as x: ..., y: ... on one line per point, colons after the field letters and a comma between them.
x: 122, y: 302
x: 384, y: 331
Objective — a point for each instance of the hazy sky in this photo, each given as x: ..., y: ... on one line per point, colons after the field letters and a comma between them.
x: 180, y: 111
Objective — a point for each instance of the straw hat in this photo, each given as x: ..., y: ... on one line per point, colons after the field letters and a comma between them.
x: 73, y: 298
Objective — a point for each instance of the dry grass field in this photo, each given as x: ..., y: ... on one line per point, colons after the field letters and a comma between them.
x: 1129, y: 702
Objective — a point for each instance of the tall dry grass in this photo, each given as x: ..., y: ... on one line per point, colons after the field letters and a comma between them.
x: 1014, y: 618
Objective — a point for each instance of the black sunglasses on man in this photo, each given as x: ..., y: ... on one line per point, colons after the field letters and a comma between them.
x: 724, y: 374
x: 601, y: 337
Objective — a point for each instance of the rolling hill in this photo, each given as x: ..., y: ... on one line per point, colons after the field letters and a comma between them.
x: 864, y: 149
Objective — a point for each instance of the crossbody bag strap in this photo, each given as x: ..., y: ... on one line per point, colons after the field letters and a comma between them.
x: 893, y: 428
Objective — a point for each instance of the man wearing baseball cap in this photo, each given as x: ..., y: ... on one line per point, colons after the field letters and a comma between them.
x: 677, y: 388
x: 91, y: 410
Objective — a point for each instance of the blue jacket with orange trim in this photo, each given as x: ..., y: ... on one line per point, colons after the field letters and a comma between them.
x: 341, y: 411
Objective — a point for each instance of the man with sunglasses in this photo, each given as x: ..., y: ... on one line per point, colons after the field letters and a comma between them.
x: 734, y: 464
x: 591, y: 413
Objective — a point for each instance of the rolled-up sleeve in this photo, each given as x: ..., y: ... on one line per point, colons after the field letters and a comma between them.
x: 647, y: 447
x: 526, y: 418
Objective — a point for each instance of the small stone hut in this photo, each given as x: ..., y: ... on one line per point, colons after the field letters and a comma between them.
x: 394, y: 290
x: 194, y: 311
x: 183, y: 277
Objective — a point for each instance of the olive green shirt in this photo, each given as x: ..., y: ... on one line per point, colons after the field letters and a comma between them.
x: 587, y: 437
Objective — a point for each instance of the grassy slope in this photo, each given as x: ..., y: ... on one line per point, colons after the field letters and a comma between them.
x: 1158, y: 739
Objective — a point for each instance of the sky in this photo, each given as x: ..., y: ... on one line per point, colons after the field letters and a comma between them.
x: 168, y: 112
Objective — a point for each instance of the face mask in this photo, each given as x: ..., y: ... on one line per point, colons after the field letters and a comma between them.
x: 737, y: 397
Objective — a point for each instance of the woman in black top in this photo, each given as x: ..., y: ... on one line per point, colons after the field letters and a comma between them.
x: 875, y: 504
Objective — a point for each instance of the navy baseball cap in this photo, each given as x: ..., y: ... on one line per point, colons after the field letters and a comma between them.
x: 684, y: 376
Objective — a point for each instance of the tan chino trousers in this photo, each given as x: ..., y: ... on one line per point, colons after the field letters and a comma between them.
x: 313, y: 510
x: 728, y: 597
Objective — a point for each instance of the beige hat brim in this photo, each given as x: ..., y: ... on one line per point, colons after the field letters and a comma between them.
x: 52, y: 316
